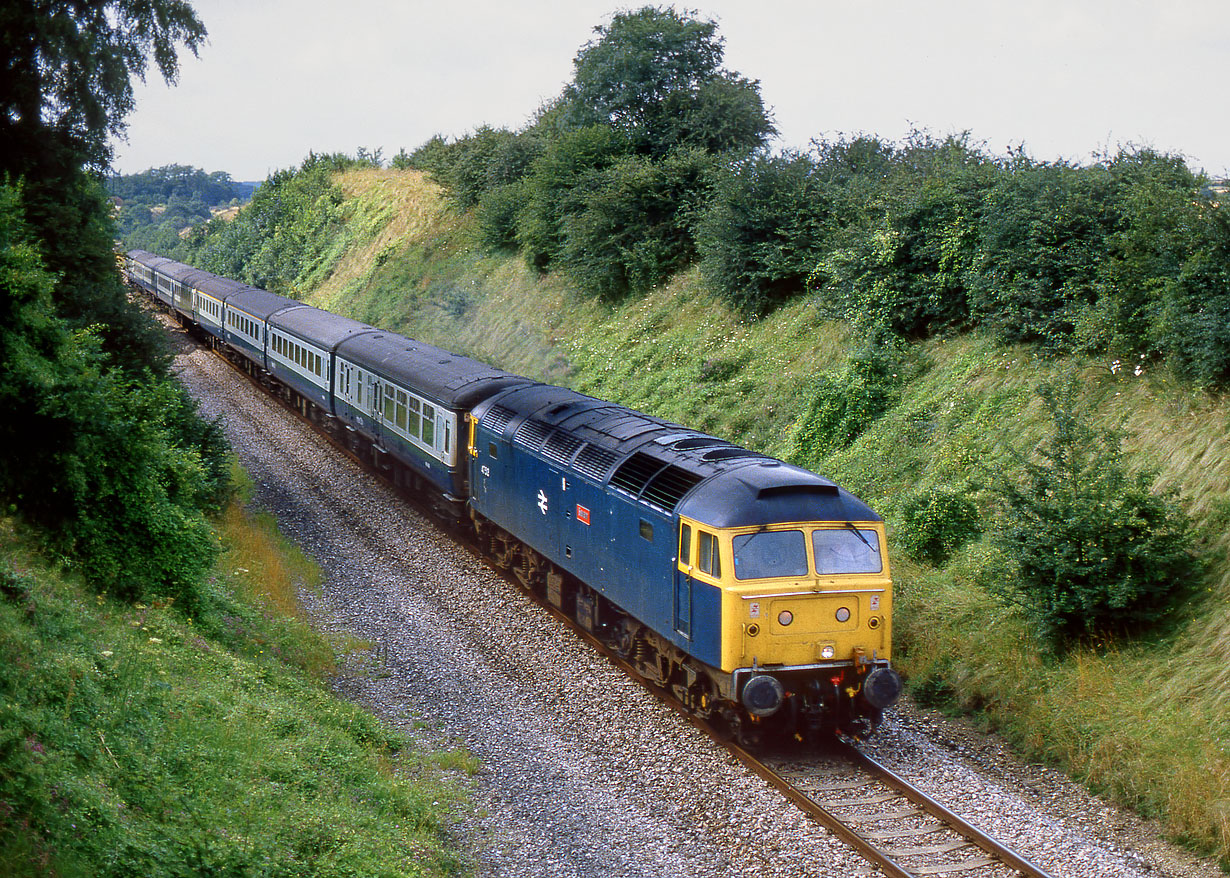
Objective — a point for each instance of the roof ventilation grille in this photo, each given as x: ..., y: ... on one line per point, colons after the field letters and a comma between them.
x: 560, y: 446
x: 594, y: 461
x: 532, y: 434
x: 497, y: 418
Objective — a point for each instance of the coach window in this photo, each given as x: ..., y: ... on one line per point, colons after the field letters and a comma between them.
x: 429, y: 424
x: 415, y: 427
x: 710, y: 559
x: 401, y: 410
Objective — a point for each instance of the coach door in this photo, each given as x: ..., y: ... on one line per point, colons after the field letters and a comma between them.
x: 374, y: 399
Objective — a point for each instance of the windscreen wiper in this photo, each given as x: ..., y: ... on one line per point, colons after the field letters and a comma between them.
x: 859, y: 534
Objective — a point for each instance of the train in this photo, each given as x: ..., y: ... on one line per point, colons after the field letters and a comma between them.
x: 756, y: 592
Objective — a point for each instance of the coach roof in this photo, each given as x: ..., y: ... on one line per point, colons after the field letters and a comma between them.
x: 448, y: 378
x: 317, y: 327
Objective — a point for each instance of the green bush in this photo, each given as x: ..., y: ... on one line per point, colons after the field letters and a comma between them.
x: 1192, y: 321
x: 559, y: 187
x: 633, y: 232
x: 498, y: 210
x: 1091, y: 551
x: 933, y: 523
x: 113, y: 469
x: 905, y: 267
x: 771, y: 221
x: 1044, y: 232
x: 843, y: 404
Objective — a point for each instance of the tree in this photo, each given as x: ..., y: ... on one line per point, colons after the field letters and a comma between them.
x: 655, y: 76
x: 68, y: 69
x: 113, y: 470
x: 1091, y: 550
x: 66, y: 88
x: 104, y: 456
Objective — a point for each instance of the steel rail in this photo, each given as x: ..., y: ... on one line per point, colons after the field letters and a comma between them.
x: 991, y: 845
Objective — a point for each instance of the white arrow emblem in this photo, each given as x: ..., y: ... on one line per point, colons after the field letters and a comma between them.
x: 542, y: 501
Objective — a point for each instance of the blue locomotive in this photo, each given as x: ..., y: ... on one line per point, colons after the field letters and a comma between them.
x: 757, y: 592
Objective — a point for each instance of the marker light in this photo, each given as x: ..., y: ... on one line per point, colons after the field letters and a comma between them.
x: 785, y: 617
x: 843, y: 614
x: 827, y: 652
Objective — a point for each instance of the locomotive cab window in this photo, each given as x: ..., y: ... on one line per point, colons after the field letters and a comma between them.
x: 709, y: 558
x: 848, y: 550
x: 685, y: 545
x: 768, y: 554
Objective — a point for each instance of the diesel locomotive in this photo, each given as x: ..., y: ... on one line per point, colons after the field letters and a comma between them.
x: 757, y: 592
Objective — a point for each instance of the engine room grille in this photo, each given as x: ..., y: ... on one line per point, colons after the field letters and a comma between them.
x: 653, y: 481
x: 532, y: 434
x: 560, y: 446
x: 497, y: 418
x: 594, y: 461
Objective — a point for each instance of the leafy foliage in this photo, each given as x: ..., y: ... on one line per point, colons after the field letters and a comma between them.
x: 1090, y: 549
x: 1044, y: 228
x: 1190, y: 319
x: 654, y: 75
x: 115, y: 470
x: 633, y: 232
x: 161, y: 201
x: 842, y: 404
x: 558, y: 187
x: 69, y: 69
x: 933, y: 523
x: 285, y: 233
x: 771, y: 220
x: 905, y: 266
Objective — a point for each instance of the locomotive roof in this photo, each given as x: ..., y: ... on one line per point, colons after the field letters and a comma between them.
x: 446, y: 377
x: 319, y: 327
x: 668, y: 466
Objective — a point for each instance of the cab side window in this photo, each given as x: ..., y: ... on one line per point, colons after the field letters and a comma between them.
x: 685, y: 544
x: 710, y: 559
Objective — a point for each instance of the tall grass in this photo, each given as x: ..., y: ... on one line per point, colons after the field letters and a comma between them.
x: 137, y: 741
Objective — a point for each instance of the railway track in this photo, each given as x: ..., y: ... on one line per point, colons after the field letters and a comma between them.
x: 891, y: 823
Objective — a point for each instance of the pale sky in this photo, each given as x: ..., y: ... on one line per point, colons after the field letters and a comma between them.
x: 1065, y: 78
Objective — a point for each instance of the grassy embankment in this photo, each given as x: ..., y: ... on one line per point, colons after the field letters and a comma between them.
x: 137, y: 741
x: 1146, y: 722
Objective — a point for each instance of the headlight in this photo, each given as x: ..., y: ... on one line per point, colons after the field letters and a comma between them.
x: 843, y: 614
x: 784, y: 618
x: 827, y: 651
